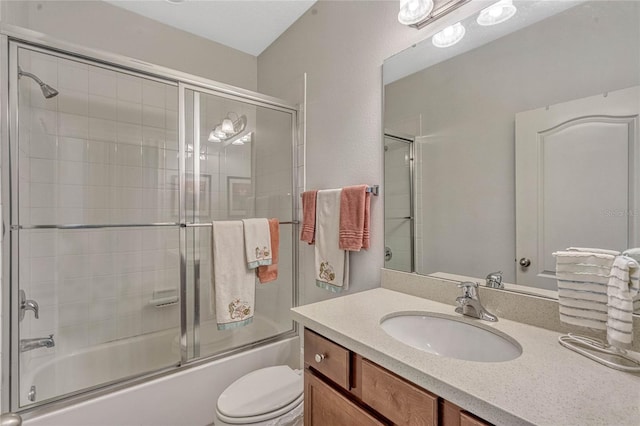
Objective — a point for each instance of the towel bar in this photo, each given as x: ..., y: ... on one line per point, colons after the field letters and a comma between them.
x: 198, y: 225
x: 374, y: 190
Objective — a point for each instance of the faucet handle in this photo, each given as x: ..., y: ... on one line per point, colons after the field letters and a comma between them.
x: 468, y: 288
x: 495, y: 275
x: 494, y: 279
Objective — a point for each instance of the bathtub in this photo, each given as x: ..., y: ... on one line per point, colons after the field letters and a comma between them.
x: 186, y: 397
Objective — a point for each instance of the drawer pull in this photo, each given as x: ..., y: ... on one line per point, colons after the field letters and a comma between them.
x: 320, y: 358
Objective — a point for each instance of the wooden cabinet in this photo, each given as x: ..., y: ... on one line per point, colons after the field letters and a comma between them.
x: 342, y: 388
x: 326, y: 406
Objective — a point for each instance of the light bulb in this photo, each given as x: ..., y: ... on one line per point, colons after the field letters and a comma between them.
x: 414, y: 11
x: 237, y: 142
x: 497, y: 13
x: 218, y: 133
x: 449, y: 36
x: 227, y: 126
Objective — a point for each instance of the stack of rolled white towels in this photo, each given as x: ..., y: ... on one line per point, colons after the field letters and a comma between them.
x: 597, y: 289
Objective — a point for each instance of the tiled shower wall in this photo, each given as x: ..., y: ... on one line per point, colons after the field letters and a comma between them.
x: 104, y: 151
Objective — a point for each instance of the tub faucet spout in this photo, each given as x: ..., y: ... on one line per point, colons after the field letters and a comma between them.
x: 38, y: 342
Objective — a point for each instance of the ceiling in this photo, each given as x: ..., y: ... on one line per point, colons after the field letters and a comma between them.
x: 246, y: 25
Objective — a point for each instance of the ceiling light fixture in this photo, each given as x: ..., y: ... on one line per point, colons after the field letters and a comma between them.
x: 449, y: 36
x: 228, y: 128
x: 414, y: 11
x: 497, y: 13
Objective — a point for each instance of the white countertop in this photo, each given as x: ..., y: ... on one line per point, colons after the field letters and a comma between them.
x: 546, y: 385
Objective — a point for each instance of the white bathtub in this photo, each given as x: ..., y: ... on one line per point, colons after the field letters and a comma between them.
x: 185, y: 398
x: 111, y: 361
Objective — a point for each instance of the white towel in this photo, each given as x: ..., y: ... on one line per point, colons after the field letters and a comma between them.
x: 582, y: 287
x: 633, y: 253
x: 624, y: 286
x: 233, y: 284
x: 331, y: 263
x: 257, y: 242
x: 595, y: 250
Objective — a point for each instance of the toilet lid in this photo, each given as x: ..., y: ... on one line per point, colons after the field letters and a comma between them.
x: 261, y: 391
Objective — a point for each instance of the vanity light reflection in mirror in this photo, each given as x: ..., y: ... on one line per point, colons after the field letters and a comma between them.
x: 525, y: 138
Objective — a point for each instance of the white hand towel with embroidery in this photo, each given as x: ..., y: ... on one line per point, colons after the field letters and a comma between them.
x: 331, y: 263
x: 233, y: 284
x: 582, y: 287
x: 257, y: 242
x: 624, y: 286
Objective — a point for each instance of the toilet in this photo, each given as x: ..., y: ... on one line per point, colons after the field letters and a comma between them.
x: 265, y: 397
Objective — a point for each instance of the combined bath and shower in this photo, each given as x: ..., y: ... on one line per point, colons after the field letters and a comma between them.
x: 48, y: 91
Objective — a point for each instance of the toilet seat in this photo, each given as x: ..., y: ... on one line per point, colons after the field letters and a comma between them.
x: 261, y: 417
x: 261, y: 395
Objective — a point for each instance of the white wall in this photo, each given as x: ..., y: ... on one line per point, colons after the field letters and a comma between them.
x: 466, y: 107
x: 99, y: 25
x: 341, y: 46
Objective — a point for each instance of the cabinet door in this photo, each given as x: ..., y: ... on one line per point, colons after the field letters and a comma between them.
x: 325, y: 406
x: 396, y: 399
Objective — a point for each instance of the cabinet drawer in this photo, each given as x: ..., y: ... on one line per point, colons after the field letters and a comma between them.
x: 325, y: 406
x: 327, y: 358
x: 401, y: 402
x: 467, y: 419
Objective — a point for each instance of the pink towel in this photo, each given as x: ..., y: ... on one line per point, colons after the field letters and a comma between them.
x: 308, y: 232
x: 270, y: 273
x: 355, y: 205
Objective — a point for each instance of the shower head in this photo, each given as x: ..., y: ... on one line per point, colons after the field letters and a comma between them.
x: 47, y: 91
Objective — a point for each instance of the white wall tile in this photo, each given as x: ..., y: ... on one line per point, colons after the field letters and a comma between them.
x: 72, y: 125
x: 73, y: 102
x: 103, y: 130
x: 153, y: 93
x: 102, y: 82
x: 129, y: 112
x: 73, y: 76
x: 102, y: 107
x: 129, y: 88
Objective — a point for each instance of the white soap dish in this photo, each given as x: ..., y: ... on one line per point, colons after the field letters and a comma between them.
x: 164, y: 298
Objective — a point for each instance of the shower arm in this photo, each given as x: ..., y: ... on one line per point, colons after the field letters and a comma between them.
x: 28, y: 74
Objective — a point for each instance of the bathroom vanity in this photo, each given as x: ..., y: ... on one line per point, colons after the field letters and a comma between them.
x: 343, y: 388
x: 356, y: 373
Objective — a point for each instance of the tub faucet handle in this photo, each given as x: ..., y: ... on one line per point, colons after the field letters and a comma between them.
x: 28, y: 305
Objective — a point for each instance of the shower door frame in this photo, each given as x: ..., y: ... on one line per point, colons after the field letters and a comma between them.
x: 12, y: 38
x: 409, y: 140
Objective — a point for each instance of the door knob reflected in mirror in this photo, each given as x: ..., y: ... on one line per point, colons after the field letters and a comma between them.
x: 524, y: 262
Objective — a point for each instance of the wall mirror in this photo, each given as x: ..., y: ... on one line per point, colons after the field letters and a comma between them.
x: 516, y: 141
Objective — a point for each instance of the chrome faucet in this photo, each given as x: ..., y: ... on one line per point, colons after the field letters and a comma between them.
x: 469, y: 303
x: 38, y: 342
x: 494, y: 280
x: 27, y: 305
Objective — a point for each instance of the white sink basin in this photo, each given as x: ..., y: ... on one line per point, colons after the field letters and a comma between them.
x: 451, y: 337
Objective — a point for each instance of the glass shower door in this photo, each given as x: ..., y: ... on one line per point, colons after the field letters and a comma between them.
x: 94, y: 223
x: 398, y: 205
x: 239, y: 165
